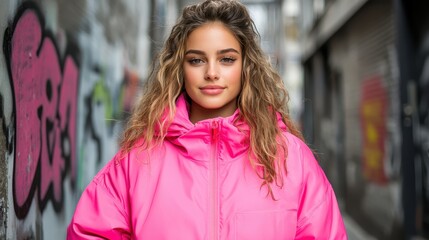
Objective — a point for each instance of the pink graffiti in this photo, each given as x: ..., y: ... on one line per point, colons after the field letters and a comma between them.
x: 45, y: 91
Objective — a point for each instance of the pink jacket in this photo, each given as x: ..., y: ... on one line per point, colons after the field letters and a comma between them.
x: 200, y: 185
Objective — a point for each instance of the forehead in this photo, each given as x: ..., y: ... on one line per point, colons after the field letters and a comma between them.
x: 212, y: 35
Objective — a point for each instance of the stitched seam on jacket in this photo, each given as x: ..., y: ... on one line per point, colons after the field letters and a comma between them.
x: 305, y: 218
x: 99, y: 182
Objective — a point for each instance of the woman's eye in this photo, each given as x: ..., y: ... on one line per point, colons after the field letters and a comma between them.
x: 228, y: 60
x: 195, y: 61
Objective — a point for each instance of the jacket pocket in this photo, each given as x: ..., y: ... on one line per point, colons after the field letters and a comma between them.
x: 267, y: 225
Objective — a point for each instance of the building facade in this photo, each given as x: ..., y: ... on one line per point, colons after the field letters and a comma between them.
x: 366, y: 114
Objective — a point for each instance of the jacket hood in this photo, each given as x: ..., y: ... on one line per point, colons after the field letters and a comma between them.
x: 230, y: 132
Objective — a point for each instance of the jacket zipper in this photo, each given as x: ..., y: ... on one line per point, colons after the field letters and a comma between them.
x: 214, y: 197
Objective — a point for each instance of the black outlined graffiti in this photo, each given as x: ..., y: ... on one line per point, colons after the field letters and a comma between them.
x: 44, y: 92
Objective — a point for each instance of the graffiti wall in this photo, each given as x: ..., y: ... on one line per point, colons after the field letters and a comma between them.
x: 373, y: 116
x: 69, y: 74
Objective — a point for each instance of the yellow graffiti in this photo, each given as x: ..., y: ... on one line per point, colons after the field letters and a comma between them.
x: 372, y: 114
x: 371, y: 133
x: 373, y: 158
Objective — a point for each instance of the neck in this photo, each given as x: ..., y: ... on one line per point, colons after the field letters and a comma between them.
x: 197, y: 113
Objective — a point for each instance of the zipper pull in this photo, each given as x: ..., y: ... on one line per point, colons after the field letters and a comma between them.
x: 215, y: 130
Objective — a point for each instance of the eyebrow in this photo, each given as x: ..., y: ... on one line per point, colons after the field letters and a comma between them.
x: 223, y: 51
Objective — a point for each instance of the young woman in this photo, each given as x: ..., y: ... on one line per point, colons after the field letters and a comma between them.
x: 210, y: 151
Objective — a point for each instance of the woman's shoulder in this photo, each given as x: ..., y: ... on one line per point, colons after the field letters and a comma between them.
x: 299, y: 152
x: 293, y: 142
x: 115, y: 175
x: 112, y: 171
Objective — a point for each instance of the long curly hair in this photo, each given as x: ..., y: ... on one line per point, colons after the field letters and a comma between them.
x: 262, y: 96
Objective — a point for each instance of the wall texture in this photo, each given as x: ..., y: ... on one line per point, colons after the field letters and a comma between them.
x: 69, y: 73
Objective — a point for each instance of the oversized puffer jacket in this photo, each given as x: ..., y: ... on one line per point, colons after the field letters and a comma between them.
x: 200, y: 184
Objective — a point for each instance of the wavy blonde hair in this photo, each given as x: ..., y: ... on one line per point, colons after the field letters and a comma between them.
x: 263, y: 93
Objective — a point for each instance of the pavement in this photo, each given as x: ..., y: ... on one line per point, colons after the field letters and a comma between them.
x: 354, y: 231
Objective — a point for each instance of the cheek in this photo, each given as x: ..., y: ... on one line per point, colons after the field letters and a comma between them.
x: 187, y: 76
x: 235, y: 76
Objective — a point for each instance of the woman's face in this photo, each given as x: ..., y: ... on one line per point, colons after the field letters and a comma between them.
x: 212, y: 71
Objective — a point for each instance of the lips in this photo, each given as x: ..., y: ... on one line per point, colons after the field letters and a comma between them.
x: 212, y: 89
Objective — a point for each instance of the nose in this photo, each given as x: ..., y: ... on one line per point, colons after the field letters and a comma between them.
x: 212, y: 73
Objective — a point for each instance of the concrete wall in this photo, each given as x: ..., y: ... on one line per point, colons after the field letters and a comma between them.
x: 69, y: 73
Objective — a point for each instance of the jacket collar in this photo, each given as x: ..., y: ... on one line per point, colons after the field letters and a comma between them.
x: 229, y: 134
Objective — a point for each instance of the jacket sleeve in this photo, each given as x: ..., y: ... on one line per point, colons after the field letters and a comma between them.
x: 101, y: 212
x: 319, y: 216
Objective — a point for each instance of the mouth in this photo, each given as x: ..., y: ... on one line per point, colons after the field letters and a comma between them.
x: 212, y: 89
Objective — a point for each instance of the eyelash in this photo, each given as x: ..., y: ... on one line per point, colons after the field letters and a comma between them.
x: 195, y: 61
x: 228, y: 59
